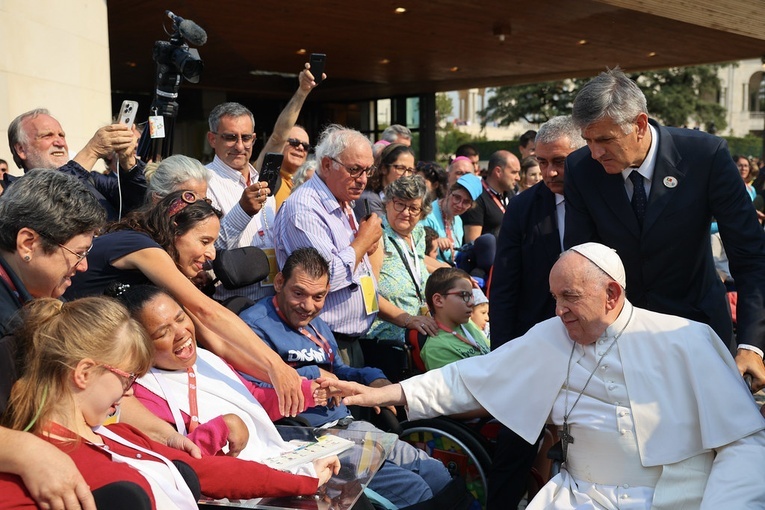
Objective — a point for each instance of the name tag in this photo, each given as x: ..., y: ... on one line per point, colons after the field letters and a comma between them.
x: 370, y: 295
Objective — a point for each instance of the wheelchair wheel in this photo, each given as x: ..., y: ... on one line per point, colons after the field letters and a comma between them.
x: 459, y: 448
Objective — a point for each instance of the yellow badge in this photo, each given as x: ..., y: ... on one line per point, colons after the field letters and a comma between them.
x: 370, y: 295
x: 273, y: 267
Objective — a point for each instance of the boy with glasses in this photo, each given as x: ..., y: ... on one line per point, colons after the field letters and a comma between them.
x: 449, y: 293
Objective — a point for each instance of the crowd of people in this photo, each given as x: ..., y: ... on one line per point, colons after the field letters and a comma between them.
x: 574, y: 285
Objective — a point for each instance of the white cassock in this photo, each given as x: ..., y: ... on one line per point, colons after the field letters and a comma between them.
x: 665, y: 423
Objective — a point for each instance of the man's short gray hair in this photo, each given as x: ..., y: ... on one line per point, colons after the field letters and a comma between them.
x: 18, y: 135
x: 410, y: 187
x: 172, y: 172
x: 559, y: 127
x: 335, y: 140
x: 227, y: 110
x: 394, y: 131
x: 611, y: 94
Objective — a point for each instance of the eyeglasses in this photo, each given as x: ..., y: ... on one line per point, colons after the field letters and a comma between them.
x: 402, y: 169
x: 180, y: 203
x: 401, y: 207
x: 294, y: 142
x: 356, y: 172
x: 80, y: 256
x: 231, y: 138
x: 466, y: 296
x: 129, y: 378
x: 459, y: 199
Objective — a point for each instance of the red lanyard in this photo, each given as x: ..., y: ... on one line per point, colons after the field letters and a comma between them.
x: 351, y: 221
x: 59, y: 430
x: 193, y: 406
x: 493, y: 194
x: 320, y: 342
x: 7, y: 279
x: 460, y: 337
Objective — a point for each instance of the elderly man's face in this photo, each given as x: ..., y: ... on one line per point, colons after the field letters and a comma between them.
x: 552, y: 159
x: 581, y: 303
x: 458, y: 169
x: 339, y: 180
x: 300, y: 298
x: 614, y: 149
x: 46, y: 143
x: 233, y: 141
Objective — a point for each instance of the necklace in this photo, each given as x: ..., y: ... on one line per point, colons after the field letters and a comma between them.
x: 565, y: 437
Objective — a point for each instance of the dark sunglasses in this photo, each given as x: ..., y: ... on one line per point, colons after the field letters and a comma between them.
x: 180, y: 203
x: 294, y: 142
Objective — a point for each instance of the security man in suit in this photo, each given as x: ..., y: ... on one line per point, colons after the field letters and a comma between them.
x: 650, y: 193
x: 529, y: 243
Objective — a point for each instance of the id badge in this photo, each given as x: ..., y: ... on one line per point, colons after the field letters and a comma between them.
x: 157, y: 126
x: 273, y: 267
x: 370, y: 295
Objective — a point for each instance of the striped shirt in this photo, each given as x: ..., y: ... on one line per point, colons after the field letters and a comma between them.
x: 312, y: 217
x: 237, y: 228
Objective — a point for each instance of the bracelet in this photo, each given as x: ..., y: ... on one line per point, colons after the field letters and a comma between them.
x: 407, y: 321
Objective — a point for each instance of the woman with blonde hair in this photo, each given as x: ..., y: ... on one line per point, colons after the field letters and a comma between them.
x: 83, y: 357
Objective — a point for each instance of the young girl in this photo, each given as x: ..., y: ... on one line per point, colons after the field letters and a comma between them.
x: 449, y: 293
x: 83, y: 357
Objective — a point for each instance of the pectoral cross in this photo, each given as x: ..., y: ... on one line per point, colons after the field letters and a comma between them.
x: 566, y: 439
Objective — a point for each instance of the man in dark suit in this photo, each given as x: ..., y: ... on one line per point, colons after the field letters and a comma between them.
x: 650, y: 193
x: 528, y: 245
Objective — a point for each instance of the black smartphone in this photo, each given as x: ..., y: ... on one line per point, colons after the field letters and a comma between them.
x: 317, y: 61
x: 269, y: 173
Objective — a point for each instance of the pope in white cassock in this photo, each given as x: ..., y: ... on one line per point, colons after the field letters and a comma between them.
x: 655, y: 410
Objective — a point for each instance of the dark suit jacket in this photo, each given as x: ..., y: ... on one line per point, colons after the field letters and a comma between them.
x: 669, y: 264
x: 527, y: 247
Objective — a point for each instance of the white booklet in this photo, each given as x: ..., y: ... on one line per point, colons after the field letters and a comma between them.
x: 323, y: 447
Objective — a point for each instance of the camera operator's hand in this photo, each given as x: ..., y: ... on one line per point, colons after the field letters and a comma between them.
x: 114, y: 138
x: 253, y: 197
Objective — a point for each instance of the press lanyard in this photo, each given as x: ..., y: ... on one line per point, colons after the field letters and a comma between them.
x: 469, y: 340
x: 320, y: 342
x: 351, y: 221
x: 412, y: 267
x: 493, y: 194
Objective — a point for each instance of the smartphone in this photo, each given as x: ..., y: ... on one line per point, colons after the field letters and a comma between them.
x: 269, y: 173
x: 317, y: 61
x: 128, y: 111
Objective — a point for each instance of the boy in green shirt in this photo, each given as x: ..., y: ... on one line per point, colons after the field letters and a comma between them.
x: 449, y: 293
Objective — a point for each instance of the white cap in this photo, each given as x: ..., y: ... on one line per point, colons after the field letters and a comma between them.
x: 605, y: 258
x: 479, y: 297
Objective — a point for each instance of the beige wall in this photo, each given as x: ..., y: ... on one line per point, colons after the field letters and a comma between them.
x: 55, y: 54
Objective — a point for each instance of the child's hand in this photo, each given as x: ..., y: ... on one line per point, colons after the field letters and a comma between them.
x: 325, y: 468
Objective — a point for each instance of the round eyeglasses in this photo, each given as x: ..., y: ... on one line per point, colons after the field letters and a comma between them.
x: 466, y: 296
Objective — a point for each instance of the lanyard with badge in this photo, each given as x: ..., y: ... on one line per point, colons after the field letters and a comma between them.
x: 493, y: 194
x: 368, y: 290
x: 319, y: 340
x: 411, y: 263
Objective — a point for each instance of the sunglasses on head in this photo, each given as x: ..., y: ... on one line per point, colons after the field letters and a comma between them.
x: 294, y: 142
x: 180, y: 203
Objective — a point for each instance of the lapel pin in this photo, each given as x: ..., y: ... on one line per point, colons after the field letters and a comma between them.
x: 670, y: 182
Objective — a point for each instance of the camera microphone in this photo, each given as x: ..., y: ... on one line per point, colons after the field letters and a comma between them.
x: 188, y: 29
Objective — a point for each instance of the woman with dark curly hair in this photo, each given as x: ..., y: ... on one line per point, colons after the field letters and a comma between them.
x: 393, y: 162
x: 169, y: 244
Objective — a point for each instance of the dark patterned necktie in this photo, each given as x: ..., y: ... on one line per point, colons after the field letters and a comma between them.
x: 639, y: 198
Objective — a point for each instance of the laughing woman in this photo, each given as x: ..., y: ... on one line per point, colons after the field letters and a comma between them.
x: 84, y: 356
x: 168, y: 244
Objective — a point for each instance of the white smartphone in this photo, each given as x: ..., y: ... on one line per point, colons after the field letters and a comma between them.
x: 128, y: 111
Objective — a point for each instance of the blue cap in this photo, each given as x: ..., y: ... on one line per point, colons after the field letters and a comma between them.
x: 472, y: 183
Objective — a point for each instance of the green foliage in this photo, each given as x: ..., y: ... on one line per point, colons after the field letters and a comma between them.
x: 449, y: 138
x: 673, y: 95
x: 444, y: 107
x: 748, y: 146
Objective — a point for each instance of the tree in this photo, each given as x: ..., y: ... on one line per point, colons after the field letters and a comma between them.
x: 674, y: 96
x: 444, y: 107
